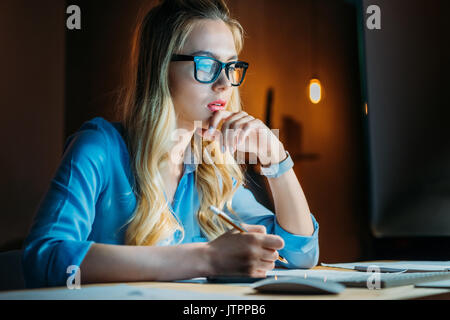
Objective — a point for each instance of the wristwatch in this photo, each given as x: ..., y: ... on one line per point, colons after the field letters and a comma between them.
x: 277, y: 169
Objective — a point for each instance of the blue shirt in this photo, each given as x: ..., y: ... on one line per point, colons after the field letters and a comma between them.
x: 90, y: 199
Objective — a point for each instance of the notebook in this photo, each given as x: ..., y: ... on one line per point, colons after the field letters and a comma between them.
x: 370, y: 280
x: 398, y: 266
x: 443, y: 284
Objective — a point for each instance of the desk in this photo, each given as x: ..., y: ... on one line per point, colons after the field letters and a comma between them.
x: 395, y: 293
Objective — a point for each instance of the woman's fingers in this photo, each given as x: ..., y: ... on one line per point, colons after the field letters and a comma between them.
x: 242, y: 132
x: 267, y: 265
x: 269, y: 255
x: 247, y: 128
x: 268, y: 241
x: 254, y: 228
x: 217, y: 117
x: 271, y: 241
x: 231, y: 127
x: 251, y: 253
x: 237, y: 127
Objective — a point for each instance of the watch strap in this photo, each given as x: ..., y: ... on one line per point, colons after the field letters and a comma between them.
x: 277, y: 169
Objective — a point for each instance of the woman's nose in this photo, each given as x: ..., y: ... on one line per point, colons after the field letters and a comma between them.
x: 222, y: 83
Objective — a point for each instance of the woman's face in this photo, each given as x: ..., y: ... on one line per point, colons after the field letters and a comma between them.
x: 191, y: 98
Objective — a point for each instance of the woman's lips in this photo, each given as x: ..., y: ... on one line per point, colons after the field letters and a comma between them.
x: 215, y: 108
x: 217, y: 105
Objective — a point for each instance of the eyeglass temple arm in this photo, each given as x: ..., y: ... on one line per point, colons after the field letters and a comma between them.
x: 182, y: 57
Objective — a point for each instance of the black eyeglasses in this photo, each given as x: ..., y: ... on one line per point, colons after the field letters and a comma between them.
x: 207, y: 69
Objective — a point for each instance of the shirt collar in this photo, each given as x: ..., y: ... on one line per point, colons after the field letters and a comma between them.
x: 190, y: 163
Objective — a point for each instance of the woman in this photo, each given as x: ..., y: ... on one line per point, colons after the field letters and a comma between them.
x: 127, y: 204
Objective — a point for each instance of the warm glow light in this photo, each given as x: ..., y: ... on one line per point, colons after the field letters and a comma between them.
x: 315, y: 91
x: 366, y: 110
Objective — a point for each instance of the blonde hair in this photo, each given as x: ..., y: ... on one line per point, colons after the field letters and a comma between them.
x: 149, y: 119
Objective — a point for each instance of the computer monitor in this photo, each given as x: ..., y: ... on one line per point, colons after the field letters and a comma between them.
x: 408, y: 119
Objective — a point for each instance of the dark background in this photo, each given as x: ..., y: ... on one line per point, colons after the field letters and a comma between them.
x: 407, y: 67
x: 53, y: 79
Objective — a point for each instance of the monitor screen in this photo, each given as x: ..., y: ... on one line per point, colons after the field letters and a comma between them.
x: 408, y: 119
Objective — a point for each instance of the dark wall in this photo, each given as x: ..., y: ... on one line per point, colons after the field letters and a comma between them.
x: 32, y: 108
x: 96, y: 57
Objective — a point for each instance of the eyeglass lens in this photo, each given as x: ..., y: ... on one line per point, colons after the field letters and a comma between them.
x: 208, y: 68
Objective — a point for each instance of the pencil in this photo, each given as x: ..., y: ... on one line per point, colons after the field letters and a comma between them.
x: 236, y: 225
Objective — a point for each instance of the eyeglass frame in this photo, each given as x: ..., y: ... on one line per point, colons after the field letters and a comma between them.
x: 223, y: 65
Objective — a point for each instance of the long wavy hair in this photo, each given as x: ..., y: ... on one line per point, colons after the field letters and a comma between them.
x: 149, y: 118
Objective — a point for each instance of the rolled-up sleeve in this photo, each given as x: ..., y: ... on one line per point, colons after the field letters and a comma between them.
x: 300, y: 251
x: 58, y: 237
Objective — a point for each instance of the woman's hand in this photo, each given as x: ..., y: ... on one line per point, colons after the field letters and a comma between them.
x: 245, y: 254
x: 242, y: 132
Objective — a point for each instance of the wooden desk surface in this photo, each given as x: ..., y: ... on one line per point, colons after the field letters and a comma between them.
x: 395, y: 293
